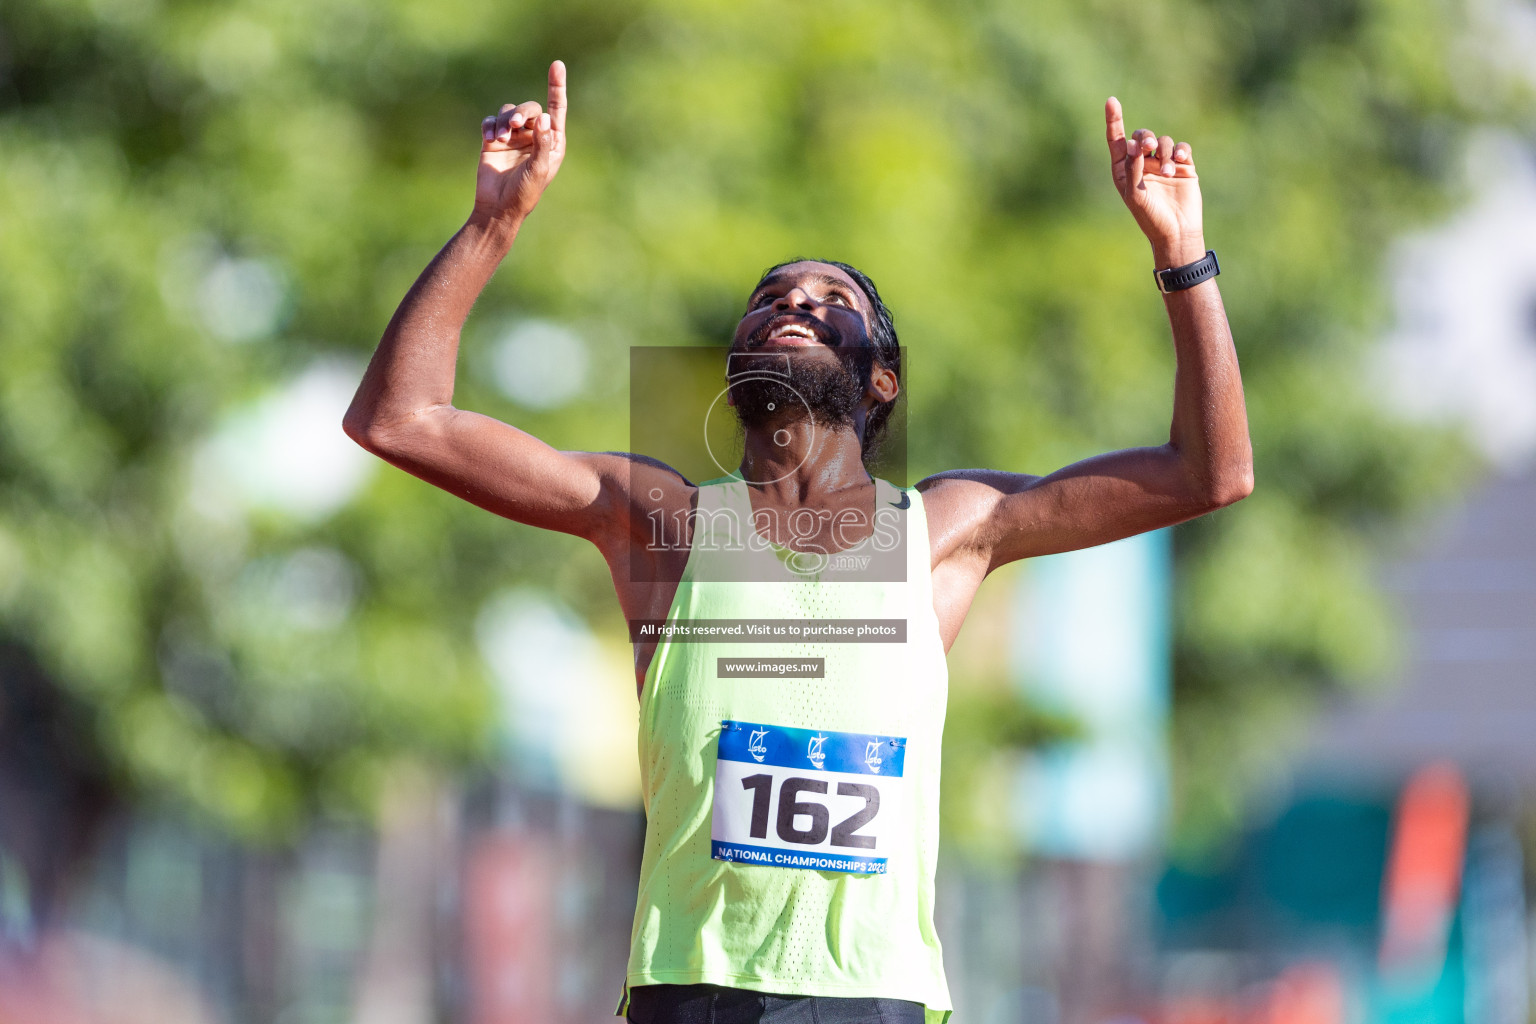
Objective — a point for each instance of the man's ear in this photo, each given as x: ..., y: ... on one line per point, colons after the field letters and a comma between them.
x: 883, y: 383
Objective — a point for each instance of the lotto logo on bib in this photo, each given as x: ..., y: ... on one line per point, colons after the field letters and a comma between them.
x: 812, y: 799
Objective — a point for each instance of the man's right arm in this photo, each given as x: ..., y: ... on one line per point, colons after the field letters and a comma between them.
x: 404, y: 412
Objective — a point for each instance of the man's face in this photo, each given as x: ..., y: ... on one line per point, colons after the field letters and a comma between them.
x: 818, y: 317
x: 805, y: 305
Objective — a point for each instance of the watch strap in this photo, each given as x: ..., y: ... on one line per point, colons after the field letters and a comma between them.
x: 1176, y: 279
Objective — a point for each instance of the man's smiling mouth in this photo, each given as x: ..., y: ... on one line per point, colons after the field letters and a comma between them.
x: 791, y: 333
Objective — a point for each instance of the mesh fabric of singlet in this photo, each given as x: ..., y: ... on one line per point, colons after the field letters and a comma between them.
x: 772, y: 929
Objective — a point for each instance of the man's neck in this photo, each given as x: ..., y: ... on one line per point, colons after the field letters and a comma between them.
x: 796, y: 462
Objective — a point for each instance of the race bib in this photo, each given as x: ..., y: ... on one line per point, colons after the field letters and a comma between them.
x: 807, y: 798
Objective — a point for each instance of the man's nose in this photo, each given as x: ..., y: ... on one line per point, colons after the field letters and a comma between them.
x: 795, y: 298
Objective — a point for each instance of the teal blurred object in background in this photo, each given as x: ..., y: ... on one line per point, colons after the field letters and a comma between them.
x: 1093, y: 644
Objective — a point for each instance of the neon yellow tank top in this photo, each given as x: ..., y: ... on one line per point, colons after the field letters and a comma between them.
x: 792, y: 822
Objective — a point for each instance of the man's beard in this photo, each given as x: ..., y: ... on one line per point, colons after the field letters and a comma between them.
x: 829, y: 390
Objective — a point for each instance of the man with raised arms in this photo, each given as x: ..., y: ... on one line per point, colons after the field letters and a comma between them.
x: 790, y: 780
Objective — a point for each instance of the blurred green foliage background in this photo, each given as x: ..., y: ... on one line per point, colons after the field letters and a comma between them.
x: 200, y: 202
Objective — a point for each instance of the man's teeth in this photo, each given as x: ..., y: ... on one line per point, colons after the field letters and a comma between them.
x: 798, y: 332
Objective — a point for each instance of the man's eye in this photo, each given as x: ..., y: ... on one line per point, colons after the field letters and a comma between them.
x: 760, y: 301
x: 838, y: 298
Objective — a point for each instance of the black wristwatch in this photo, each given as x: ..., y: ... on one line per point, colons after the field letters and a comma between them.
x: 1176, y: 279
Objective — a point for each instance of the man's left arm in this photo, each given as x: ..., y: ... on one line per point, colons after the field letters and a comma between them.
x: 992, y: 518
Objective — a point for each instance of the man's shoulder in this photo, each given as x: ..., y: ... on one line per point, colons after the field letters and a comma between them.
x: 975, y: 483
x: 964, y: 500
x: 640, y: 463
x: 955, y: 487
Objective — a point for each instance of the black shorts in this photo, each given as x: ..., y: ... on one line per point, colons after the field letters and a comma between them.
x: 711, y: 1004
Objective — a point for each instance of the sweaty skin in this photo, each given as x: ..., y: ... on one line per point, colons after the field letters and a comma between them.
x: 978, y: 519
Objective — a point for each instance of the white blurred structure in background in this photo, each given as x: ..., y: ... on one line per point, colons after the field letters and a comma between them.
x: 285, y: 451
x: 1463, y: 348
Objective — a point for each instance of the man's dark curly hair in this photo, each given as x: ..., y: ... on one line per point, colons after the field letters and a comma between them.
x: 882, y: 336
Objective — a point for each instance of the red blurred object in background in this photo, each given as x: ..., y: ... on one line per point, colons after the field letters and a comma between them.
x: 1306, y: 993
x: 1423, y: 879
x: 509, y: 918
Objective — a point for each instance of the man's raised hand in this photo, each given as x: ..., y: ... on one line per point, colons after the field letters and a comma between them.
x: 520, y: 152
x: 1156, y: 178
